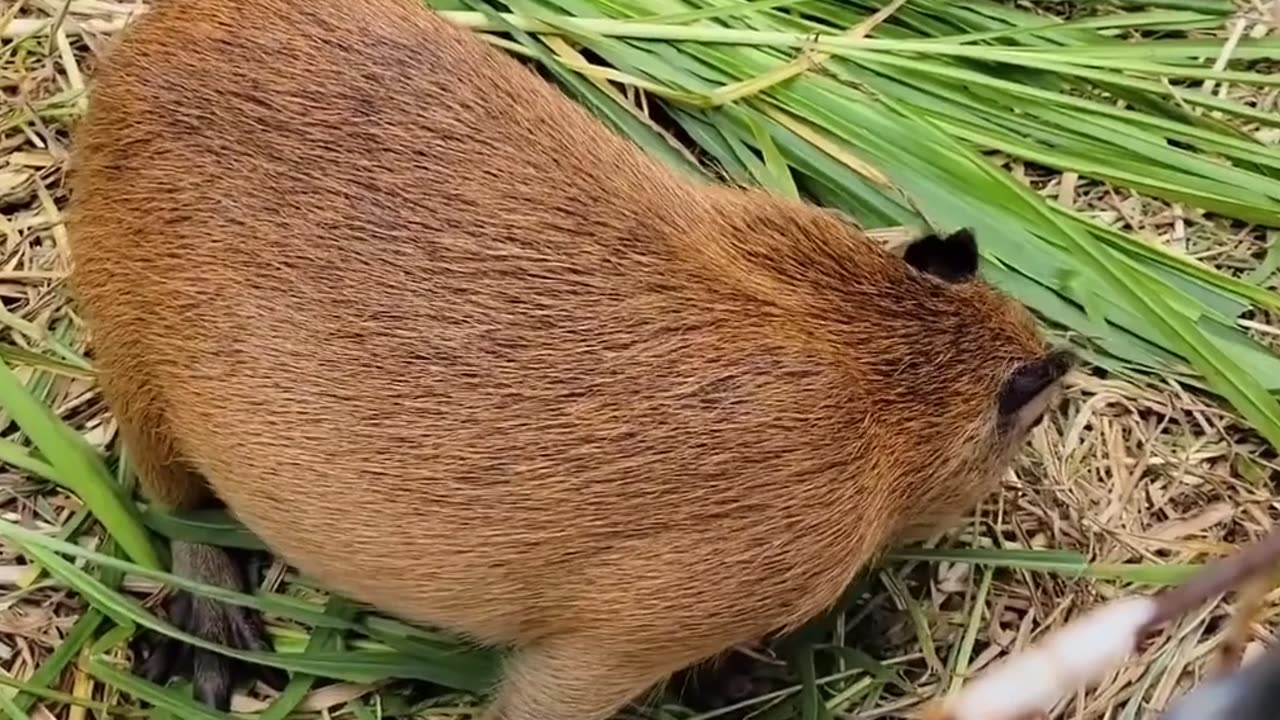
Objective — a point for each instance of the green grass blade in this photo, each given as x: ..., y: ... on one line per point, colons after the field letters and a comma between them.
x: 77, y: 469
x: 1061, y: 562
x: 53, y: 666
x: 468, y: 670
x: 324, y: 639
x: 609, y: 110
x: 292, y: 608
x: 206, y: 527
x: 166, y: 699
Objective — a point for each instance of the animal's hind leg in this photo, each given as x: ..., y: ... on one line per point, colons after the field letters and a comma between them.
x: 165, y: 480
x: 169, y: 483
x: 570, y: 678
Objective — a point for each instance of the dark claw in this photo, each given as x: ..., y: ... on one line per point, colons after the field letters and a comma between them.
x: 247, y: 631
x: 179, y: 609
x: 145, y: 648
x: 249, y: 634
x: 158, y: 659
x: 212, y: 678
x: 164, y: 660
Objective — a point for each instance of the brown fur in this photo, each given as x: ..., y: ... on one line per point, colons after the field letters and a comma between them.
x: 450, y: 346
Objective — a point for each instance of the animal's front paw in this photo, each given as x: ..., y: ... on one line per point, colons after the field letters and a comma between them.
x: 212, y: 675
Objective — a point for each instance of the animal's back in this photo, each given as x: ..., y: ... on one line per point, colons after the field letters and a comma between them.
x: 366, y: 284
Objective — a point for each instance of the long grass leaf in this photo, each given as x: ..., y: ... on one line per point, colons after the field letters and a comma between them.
x: 80, y: 471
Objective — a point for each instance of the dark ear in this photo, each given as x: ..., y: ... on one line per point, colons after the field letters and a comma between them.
x: 953, y: 258
x: 1028, y: 389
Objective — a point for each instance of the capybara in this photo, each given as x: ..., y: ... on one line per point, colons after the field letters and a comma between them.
x: 450, y: 345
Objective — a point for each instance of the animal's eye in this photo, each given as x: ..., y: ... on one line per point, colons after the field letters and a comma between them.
x: 953, y: 258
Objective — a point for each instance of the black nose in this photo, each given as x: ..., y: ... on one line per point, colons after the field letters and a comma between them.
x: 1248, y: 694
